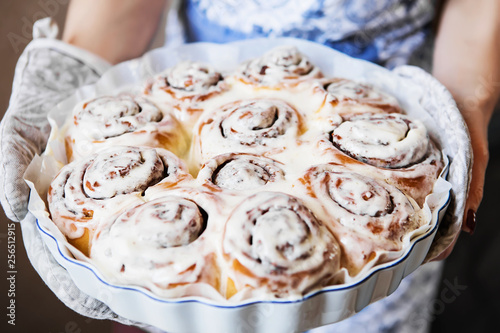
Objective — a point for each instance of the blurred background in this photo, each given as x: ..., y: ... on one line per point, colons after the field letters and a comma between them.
x: 470, y: 288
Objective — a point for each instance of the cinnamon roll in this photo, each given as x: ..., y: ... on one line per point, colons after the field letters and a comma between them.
x: 259, y: 126
x: 86, y: 192
x: 396, y: 145
x: 347, y: 96
x: 186, y: 86
x: 282, y: 66
x: 274, y: 244
x: 240, y: 172
x: 159, y: 245
x: 383, y: 140
x: 368, y: 216
x: 122, y: 120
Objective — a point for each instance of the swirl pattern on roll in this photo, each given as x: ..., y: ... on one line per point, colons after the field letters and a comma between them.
x: 282, y: 65
x: 367, y: 215
x: 111, y: 116
x: 351, y: 95
x: 85, y: 192
x: 240, y: 172
x: 157, y: 244
x: 188, y: 80
x: 273, y: 241
x: 257, y: 126
x: 383, y: 140
x: 121, y: 120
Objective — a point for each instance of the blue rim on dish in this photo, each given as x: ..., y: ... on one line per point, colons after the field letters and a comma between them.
x: 375, y: 270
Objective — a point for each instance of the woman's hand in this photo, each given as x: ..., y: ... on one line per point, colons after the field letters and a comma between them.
x: 466, y: 61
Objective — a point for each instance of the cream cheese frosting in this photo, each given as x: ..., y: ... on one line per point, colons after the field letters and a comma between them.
x: 278, y: 181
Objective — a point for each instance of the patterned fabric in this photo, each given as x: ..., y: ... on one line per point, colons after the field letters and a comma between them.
x: 44, y: 77
x: 386, y: 32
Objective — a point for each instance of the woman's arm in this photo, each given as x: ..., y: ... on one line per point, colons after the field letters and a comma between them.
x: 116, y: 30
x: 467, y: 62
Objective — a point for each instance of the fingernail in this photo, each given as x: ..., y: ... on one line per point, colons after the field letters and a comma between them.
x: 471, y: 221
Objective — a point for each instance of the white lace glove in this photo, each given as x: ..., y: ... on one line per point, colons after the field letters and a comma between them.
x: 47, y: 72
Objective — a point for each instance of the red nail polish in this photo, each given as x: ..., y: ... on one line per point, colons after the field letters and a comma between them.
x: 471, y: 221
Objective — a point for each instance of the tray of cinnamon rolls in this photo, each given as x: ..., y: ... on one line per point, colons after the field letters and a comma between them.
x: 242, y: 183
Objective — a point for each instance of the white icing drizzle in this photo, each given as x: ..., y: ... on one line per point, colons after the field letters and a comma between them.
x: 110, y: 116
x: 134, y: 169
x: 153, y: 243
x: 121, y: 120
x: 277, y: 239
x: 256, y: 125
x: 359, y: 196
x: 240, y: 172
x: 383, y: 140
x: 186, y: 88
x: 282, y: 65
x: 192, y: 78
x: 86, y: 192
x: 366, y: 214
x: 340, y: 90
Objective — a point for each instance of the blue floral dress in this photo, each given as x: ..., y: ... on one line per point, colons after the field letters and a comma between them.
x: 387, y: 32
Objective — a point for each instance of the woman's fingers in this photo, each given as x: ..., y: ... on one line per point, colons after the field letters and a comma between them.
x: 479, y: 139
